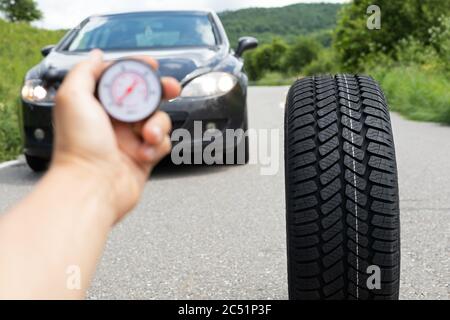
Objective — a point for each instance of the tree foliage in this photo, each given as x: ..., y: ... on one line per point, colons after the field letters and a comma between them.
x: 302, y: 52
x: 267, y: 57
x: 399, y: 20
x: 282, y: 57
x: 20, y: 10
x: 287, y: 22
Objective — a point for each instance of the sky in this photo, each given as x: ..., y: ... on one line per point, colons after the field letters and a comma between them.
x: 65, y: 14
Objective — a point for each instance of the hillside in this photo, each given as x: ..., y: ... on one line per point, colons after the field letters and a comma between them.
x: 284, y: 22
x: 20, y: 46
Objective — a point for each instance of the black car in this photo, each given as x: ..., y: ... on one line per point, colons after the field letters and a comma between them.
x: 191, y: 46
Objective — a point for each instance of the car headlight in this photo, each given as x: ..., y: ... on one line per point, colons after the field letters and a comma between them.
x: 209, y: 84
x: 35, y: 91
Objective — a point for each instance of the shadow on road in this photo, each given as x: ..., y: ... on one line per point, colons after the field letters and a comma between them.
x: 167, y: 170
x: 21, y: 175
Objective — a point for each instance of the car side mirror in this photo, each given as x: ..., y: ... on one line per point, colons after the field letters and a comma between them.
x: 246, y: 43
x: 47, y: 49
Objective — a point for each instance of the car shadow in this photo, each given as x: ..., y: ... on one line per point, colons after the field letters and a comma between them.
x: 167, y: 170
x: 21, y: 175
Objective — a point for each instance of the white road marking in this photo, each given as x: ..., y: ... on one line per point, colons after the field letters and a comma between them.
x: 283, y: 102
x: 356, y: 195
x: 8, y: 164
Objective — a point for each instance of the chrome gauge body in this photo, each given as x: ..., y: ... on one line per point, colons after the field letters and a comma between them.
x: 130, y: 90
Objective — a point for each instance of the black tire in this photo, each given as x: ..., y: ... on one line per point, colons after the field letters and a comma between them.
x: 342, y: 204
x: 37, y: 164
x: 238, y: 160
x: 246, y: 150
x: 246, y: 139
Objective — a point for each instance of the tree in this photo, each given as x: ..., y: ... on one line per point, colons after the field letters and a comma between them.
x: 302, y: 52
x: 285, y: 22
x: 20, y: 10
x: 267, y: 57
x: 400, y: 20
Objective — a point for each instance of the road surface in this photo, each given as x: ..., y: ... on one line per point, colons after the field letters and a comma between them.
x: 219, y: 232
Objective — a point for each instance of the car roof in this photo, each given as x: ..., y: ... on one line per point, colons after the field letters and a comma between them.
x: 194, y: 12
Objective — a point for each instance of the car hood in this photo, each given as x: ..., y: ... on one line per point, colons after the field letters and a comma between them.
x: 177, y: 63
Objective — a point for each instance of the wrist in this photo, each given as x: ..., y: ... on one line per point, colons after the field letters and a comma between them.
x: 95, y: 184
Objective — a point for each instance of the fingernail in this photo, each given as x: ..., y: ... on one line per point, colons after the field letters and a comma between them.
x: 157, y: 132
x: 150, y: 153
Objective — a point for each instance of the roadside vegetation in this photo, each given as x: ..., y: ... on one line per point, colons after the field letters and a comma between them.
x: 409, y: 55
x: 287, y: 22
x: 20, y: 46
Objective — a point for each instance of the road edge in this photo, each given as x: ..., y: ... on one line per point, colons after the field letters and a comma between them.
x: 11, y: 163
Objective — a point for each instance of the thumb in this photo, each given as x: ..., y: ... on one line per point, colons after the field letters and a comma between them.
x: 83, y: 77
x: 96, y: 62
x: 75, y: 100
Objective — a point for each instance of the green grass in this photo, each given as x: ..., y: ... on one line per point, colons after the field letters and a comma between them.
x: 416, y: 93
x: 274, y: 79
x: 20, y: 46
x: 412, y: 91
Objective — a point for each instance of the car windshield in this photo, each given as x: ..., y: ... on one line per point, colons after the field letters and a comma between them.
x: 144, y: 31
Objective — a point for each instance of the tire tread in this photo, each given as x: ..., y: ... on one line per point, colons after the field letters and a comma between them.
x: 339, y: 144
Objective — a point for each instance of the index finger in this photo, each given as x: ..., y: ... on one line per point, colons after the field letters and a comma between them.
x: 83, y: 77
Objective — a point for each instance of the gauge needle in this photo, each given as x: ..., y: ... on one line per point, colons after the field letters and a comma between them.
x: 127, y: 92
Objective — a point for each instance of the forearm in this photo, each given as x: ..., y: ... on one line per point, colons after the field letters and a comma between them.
x: 60, y: 227
x: 98, y: 173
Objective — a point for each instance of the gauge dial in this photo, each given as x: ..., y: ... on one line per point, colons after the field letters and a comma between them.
x: 130, y: 90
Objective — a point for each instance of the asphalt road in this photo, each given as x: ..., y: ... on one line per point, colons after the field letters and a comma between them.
x: 219, y: 232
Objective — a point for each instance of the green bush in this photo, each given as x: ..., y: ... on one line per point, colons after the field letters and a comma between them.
x: 411, y: 51
x: 409, y: 55
x: 326, y: 63
x: 440, y: 40
x: 20, y: 46
x: 416, y: 93
x: 353, y: 41
x: 267, y: 57
x: 10, y: 139
x: 274, y: 79
x: 324, y: 37
x: 302, y: 52
x: 279, y: 57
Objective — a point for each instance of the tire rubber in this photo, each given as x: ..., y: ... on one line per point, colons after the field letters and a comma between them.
x: 236, y: 160
x: 37, y: 164
x: 342, y: 203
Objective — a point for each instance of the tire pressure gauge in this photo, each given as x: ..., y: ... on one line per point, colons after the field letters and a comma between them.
x: 130, y: 90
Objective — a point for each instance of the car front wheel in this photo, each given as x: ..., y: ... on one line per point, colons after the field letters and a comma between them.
x: 37, y: 164
x: 241, y: 152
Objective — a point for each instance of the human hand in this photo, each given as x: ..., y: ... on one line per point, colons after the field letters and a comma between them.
x: 119, y: 155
